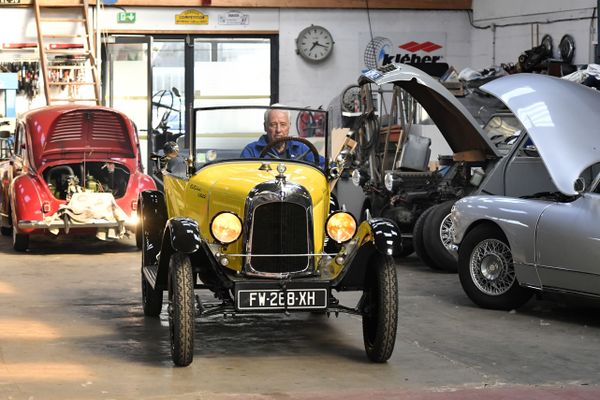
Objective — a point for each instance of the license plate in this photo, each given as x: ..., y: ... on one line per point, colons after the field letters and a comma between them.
x: 276, y: 299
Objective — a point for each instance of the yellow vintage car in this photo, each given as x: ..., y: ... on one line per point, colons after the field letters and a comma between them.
x: 253, y: 220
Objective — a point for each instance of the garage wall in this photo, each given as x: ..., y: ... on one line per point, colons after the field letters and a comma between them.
x: 301, y: 83
x: 520, y: 25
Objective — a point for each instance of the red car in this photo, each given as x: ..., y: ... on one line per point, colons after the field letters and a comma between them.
x: 71, y: 168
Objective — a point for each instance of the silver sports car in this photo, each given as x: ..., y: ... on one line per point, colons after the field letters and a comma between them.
x: 509, y: 247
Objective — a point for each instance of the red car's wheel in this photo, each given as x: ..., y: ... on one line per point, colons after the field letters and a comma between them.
x: 20, y: 240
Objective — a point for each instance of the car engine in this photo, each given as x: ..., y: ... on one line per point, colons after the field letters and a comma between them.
x: 98, y: 177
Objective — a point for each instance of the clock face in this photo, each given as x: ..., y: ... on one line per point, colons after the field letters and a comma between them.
x: 314, y: 43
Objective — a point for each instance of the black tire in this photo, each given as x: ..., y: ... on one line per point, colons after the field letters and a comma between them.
x: 437, y: 235
x: 7, y: 230
x: 152, y: 299
x: 380, y: 309
x: 181, y: 309
x: 486, y: 270
x: 417, y: 240
x: 20, y: 240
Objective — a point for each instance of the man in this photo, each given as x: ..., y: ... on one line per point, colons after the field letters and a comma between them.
x: 277, y: 125
x: 175, y: 163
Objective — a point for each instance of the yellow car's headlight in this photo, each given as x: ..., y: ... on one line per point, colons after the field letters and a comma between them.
x: 340, y: 226
x: 226, y: 227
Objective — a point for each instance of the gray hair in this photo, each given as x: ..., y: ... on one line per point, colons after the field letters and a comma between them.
x: 276, y: 107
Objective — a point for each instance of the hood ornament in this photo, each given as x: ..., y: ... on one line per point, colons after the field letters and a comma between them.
x: 281, y: 168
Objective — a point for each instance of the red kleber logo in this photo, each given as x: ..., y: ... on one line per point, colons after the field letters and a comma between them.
x: 425, y: 46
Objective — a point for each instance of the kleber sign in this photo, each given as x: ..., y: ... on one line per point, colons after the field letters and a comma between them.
x: 419, y: 48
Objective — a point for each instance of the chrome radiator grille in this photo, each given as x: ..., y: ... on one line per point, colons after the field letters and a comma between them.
x: 280, y: 228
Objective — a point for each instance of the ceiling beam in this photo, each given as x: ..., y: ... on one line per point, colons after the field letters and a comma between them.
x: 346, y: 4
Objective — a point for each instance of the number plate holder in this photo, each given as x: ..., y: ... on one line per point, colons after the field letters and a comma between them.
x: 275, y: 296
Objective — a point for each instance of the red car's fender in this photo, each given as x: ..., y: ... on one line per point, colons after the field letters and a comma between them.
x: 26, y: 199
x: 145, y: 182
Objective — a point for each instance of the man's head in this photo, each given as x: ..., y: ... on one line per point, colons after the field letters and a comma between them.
x: 171, y: 149
x: 277, y: 125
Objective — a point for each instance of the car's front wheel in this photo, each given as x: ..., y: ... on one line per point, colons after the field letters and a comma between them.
x: 486, y: 270
x: 380, y: 309
x: 20, y: 240
x: 181, y: 309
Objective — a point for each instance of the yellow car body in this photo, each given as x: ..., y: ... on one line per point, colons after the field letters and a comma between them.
x: 224, y: 187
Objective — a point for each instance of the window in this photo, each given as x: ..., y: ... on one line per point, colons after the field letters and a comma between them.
x: 232, y: 71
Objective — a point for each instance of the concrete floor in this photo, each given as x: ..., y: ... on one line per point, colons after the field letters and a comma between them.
x: 72, y: 327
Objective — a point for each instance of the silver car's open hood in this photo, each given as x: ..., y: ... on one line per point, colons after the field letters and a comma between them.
x: 457, y: 125
x: 562, y: 119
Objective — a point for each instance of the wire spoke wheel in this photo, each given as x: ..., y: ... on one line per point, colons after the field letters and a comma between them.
x: 491, y: 267
x: 447, y: 231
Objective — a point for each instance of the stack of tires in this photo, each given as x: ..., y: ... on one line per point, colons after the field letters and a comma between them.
x: 432, y: 234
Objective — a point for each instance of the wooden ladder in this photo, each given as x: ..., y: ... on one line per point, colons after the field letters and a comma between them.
x: 71, y: 65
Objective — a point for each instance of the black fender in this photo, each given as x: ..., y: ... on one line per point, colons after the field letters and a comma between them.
x: 153, y: 216
x: 376, y: 235
x: 183, y: 235
x: 386, y: 235
x: 180, y: 235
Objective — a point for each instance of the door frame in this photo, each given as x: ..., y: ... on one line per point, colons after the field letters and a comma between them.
x: 108, y: 75
x: 188, y: 38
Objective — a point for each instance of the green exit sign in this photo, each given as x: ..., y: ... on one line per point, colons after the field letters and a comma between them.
x: 126, y: 17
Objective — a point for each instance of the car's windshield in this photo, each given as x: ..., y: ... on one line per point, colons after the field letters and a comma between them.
x: 259, y: 132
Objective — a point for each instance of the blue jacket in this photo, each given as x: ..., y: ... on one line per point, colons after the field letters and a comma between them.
x: 292, y: 150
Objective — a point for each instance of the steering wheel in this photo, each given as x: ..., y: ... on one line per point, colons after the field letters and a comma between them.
x: 311, y: 148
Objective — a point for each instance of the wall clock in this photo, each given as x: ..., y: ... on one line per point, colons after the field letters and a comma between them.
x: 314, y: 43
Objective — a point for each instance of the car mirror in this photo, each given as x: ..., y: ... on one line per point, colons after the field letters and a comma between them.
x: 4, y: 134
x: 579, y: 185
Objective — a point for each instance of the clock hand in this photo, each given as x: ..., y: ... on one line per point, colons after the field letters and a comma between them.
x: 314, y: 45
x: 319, y: 44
